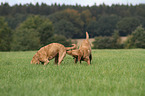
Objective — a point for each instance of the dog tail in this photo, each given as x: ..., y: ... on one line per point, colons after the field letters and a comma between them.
x: 87, y: 35
x: 73, y: 47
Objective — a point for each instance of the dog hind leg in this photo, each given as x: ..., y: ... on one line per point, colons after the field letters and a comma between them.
x: 76, y: 59
x: 87, y: 59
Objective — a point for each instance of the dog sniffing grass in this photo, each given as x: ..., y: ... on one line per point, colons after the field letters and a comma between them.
x: 50, y: 51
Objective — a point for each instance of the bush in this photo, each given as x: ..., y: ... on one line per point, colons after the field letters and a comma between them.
x: 137, y: 39
x: 108, y: 42
x: 102, y: 43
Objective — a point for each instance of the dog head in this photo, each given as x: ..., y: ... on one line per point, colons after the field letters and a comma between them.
x: 35, y: 60
x: 75, y: 53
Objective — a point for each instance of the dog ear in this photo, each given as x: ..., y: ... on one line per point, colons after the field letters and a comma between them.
x: 75, y: 52
x: 69, y: 52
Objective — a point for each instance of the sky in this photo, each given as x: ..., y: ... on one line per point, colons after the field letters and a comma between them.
x: 74, y: 2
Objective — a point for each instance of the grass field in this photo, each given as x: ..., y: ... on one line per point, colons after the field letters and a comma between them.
x: 112, y: 73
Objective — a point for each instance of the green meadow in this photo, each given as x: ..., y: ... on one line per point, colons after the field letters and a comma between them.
x: 112, y: 73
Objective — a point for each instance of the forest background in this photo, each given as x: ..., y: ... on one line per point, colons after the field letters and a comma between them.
x: 29, y: 26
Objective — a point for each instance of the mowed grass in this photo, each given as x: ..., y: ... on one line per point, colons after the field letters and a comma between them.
x: 112, y: 73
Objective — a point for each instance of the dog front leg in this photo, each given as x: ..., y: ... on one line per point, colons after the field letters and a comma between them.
x: 88, y: 62
x: 46, y: 62
x: 87, y: 59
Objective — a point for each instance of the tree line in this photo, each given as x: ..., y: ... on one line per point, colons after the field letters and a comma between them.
x: 27, y: 27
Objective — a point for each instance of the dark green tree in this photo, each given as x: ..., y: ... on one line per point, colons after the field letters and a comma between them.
x: 87, y: 17
x: 92, y: 28
x: 5, y: 35
x: 42, y: 25
x: 15, y: 20
x: 4, y: 9
x: 46, y: 31
x: 25, y: 39
x: 107, y: 25
x: 64, y: 27
x: 127, y: 25
x: 32, y: 22
x: 81, y: 17
x: 32, y: 33
x: 72, y: 16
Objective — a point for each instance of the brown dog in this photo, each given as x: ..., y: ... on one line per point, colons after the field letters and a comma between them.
x: 84, y: 51
x: 48, y: 52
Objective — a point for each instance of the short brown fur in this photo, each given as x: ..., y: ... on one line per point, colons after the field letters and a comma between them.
x: 84, y: 51
x: 48, y: 52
